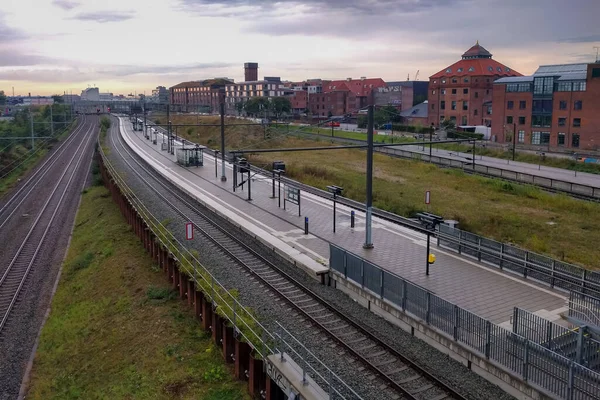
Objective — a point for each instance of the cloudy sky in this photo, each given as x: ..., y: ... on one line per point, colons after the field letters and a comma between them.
x: 53, y: 46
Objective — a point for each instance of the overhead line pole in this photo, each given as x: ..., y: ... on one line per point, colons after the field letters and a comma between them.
x: 222, y: 111
x: 368, y: 239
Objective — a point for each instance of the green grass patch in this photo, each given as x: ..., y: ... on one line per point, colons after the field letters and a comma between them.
x: 115, y: 330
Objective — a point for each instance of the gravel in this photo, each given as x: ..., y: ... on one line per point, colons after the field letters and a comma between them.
x: 20, y: 332
x: 270, y: 309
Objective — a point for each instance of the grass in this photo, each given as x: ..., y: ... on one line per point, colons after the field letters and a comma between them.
x: 116, y: 330
x: 551, y: 224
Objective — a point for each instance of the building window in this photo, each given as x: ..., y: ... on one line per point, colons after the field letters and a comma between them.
x: 577, y: 105
x: 543, y: 85
x: 562, y: 105
x: 489, y: 110
x: 576, y: 122
x: 564, y: 87
x: 541, y: 121
x: 465, y: 105
x: 433, y: 92
x: 465, y: 91
x: 466, y: 80
x: 442, y: 105
x: 575, y: 140
x: 475, y: 112
x: 522, y: 104
x: 471, y: 69
x: 487, y: 91
x: 453, y: 105
x: 535, y: 137
x: 561, y: 138
x: 454, y: 80
x: 562, y: 121
x: 542, y: 106
x: 433, y: 106
x: 545, y: 138
x: 521, y: 120
x: 595, y: 72
x: 476, y: 95
x: 509, y: 119
x: 453, y: 119
x: 510, y: 104
x: 453, y: 91
x: 443, y: 81
x: 579, y: 86
x: 464, y: 119
x: 521, y: 136
x: 443, y: 91
x: 442, y: 118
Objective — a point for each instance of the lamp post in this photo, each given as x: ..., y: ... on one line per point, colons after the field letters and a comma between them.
x: 222, y: 109
x: 514, y: 140
x: 335, y: 190
x: 279, y: 172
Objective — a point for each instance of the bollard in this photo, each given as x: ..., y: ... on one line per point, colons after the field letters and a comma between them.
x: 352, y: 219
x: 306, y: 225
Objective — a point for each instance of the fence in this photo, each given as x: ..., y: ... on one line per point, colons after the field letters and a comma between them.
x: 574, y: 344
x: 468, y: 166
x: 530, y: 265
x: 534, y: 363
x: 244, y: 324
x: 585, y: 308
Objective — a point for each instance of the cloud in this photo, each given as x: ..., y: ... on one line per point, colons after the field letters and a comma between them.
x: 8, y: 34
x: 66, y: 4
x: 582, y: 39
x: 105, y: 16
x: 15, y: 58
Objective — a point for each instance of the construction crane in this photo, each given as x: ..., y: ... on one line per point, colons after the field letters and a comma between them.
x: 417, y: 76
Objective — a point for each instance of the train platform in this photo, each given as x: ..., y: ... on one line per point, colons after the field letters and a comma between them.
x: 490, y: 293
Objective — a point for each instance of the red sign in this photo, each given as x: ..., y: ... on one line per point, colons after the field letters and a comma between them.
x: 189, y: 231
x: 427, y: 197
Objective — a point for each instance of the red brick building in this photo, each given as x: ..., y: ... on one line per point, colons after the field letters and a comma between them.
x: 462, y: 92
x: 343, y: 96
x: 208, y: 93
x: 556, y: 107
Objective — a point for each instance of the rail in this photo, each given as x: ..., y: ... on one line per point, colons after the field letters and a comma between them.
x: 532, y: 362
x: 585, y: 308
x: 262, y: 341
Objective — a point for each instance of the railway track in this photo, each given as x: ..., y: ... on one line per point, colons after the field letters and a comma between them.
x: 398, y: 377
x: 13, y: 279
x: 16, y: 199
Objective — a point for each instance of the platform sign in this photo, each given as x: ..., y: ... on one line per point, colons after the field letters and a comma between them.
x: 189, y: 231
x: 427, y: 197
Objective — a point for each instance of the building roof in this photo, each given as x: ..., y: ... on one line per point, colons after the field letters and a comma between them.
x: 421, y: 110
x: 476, y: 61
x: 205, y: 82
x: 515, y: 79
x: 477, y: 51
x: 360, y: 87
x: 559, y: 69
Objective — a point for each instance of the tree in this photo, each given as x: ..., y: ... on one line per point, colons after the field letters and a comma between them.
x: 2, y: 98
x: 239, y: 107
x: 279, y: 106
x: 257, y: 106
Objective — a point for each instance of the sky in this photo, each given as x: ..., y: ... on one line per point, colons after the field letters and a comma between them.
x: 132, y: 46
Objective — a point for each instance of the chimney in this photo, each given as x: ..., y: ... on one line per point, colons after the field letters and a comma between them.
x: 362, y: 78
x: 348, y: 79
x: 250, y: 72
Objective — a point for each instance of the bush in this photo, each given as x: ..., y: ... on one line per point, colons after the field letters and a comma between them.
x: 464, y: 135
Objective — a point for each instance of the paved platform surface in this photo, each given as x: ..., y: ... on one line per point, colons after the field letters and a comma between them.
x: 487, y: 292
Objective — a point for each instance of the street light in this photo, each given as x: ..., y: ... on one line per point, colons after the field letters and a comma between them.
x: 279, y: 172
x: 335, y: 190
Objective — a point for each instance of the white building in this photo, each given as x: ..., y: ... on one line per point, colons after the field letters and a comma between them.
x: 243, y: 91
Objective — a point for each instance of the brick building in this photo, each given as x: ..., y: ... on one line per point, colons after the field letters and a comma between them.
x: 343, y: 96
x: 401, y: 94
x: 462, y: 92
x: 241, y: 92
x: 556, y: 107
x: 208, y: 93
x: 301, y: 93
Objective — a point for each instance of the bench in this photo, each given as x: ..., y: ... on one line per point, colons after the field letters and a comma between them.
x: 430, y: 220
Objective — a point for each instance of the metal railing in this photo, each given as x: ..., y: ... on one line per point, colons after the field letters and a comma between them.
x: 574, y: 344
x: 585, y: 308
x: 544, y: 269
x: 567, y: 187
x: 263, y: 342
x: 534, y: 363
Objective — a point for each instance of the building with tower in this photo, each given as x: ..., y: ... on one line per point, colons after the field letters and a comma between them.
x: 463, y: 91
x: 250, y: 72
